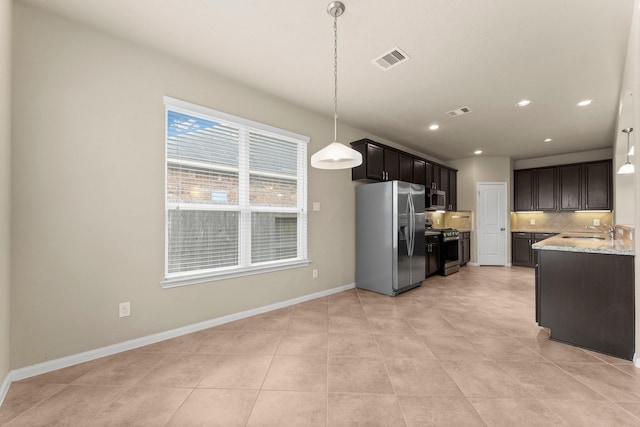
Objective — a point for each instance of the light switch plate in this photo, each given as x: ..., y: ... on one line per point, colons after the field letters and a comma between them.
x: 316, y: 206
x: 596, y: 222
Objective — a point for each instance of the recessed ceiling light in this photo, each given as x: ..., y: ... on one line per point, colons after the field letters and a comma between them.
x: 477, y: 152
x: 585, y: 103
x: 523, y: 103
x: 548, y: 140
x: 434, y: 126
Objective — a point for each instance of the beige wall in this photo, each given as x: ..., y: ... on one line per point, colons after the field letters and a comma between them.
x: 481, y: 169
x: 5, y: 186
x: 88, y: 192
x: 631, y: 84
x: 564, y: 159
x: 627, y: 187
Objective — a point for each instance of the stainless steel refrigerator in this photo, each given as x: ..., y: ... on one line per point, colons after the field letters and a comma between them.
x: 390, y: 248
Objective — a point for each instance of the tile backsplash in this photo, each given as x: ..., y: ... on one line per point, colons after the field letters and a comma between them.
x: 559, y: 221
x: 459, y: 220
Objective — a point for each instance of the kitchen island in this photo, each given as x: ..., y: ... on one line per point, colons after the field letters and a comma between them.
x: 585, y: 291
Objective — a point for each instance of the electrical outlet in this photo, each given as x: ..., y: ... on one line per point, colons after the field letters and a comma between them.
x: 596, y: 222
x: 316, y: 206
x: 125, y: 309
x: 315, y: 273
x: 533, y: 222
x: 438, y: 221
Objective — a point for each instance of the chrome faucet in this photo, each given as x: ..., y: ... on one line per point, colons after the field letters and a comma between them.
x: 611, y: 230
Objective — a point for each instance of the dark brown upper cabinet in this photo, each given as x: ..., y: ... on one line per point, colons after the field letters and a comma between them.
x: 570, y: 186
x: 383, y: 163
x: 574, y: 187
x: 523, y: 190
x: 406, y: 167
x: 546, y: 189
x: 535, y: 189
x: 597, y: 193
x: 419, y: 171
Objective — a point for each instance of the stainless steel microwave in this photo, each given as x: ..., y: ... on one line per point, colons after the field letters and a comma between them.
x: 437, y: 200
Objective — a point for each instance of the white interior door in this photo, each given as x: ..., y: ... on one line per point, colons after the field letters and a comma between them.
x: 492, y: 223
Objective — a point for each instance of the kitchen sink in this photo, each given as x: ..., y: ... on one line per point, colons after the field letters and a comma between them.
x: 584, y: 236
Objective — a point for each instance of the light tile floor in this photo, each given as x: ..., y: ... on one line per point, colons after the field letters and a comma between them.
x: 462, y: 350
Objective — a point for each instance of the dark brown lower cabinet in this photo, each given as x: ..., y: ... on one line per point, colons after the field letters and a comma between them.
x: 432, y: 251
x: 465, y: 247
x: 521, y: 249
x: 587, y: 300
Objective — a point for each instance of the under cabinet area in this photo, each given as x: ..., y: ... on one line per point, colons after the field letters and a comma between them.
x: 573, y: 187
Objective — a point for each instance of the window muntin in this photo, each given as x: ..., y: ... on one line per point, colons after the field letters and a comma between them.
x: 235, y: 195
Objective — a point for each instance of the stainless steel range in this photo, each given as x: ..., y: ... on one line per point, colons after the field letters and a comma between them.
x: 449, y: 253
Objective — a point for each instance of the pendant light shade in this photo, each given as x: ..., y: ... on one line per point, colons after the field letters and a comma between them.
x: 336, y: 155
x: 628, y: 167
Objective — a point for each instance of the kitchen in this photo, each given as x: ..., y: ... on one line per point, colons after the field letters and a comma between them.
x: 67, y: 66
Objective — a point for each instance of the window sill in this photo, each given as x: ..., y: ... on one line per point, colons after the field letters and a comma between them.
x: 194, y: 279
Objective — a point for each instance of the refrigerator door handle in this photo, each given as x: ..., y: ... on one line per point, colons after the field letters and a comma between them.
x: 412, y: 225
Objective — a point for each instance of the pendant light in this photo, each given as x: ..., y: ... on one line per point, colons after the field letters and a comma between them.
x: 628, y: 166
x: 336, y: 155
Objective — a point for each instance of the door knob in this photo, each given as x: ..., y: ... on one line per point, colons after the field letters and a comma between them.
x: 502, y: 229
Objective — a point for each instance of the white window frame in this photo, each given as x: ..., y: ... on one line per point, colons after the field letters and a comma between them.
x: 245, y: 267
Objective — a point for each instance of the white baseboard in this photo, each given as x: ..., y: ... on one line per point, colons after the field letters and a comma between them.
x: 473, y: 264
x: 4, y: 387
x: 636, y: 360
x: 64, y: 362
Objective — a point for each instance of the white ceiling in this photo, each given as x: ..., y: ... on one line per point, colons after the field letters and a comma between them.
x: 485, y: 54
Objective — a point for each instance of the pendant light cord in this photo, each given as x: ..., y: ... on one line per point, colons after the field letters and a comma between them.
x: 335, y: 78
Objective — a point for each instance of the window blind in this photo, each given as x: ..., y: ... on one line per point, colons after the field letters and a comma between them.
x: 235, y: 195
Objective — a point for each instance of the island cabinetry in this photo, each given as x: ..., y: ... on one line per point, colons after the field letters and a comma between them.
x: 587, y: 299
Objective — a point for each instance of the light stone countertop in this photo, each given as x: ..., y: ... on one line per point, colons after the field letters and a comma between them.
x: 570, y: 242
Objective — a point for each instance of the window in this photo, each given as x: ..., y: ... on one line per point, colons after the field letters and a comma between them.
x: 235, y: 196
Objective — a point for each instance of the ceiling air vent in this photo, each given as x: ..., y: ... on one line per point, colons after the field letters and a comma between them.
x: 459, y: 111
x: 391, y: 59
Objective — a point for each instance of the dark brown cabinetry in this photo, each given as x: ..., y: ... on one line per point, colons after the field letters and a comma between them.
x: 419, y: 171
x: 523, y: 190
x: 587, y: 299
x: 570, y: 182
x: 535, y: 189
x: 521, y: 253
x: 383, y: 163
x: 406, y: 168
x: 597, y: 186
x: 432, y: 251
x: 378, y: 163
x: 574, y: 187
x: 538, y: 237
x: 452, y: 192
x: 464, y: 244
x: 545, y: 189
